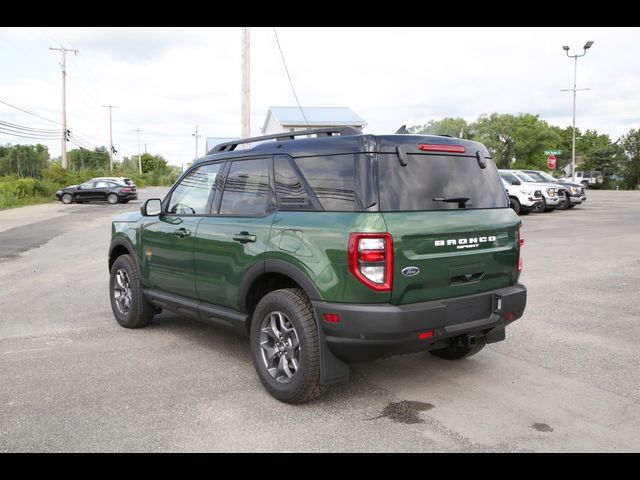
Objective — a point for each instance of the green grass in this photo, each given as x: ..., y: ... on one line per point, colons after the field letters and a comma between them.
x: 6, y: 203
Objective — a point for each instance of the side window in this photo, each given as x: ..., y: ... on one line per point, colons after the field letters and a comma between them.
x: 289, y: 188
x: 191, y: 196
x: 331, y: 179
x: 246, y: 190
x: 103, y: 185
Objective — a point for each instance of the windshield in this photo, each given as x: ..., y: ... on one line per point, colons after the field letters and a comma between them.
x: 536, y: 176
x: 524, y: 177
x: 438, y: 182
x: 509, y: 178
x: 548, y: 177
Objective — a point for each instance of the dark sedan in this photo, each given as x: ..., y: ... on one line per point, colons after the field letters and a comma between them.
x: 97, y: 191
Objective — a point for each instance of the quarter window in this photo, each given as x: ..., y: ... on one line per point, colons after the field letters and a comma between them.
x: 331, y: 179
x: 192, y: 195
x: 289, y: 187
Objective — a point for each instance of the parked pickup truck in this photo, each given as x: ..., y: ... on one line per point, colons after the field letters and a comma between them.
x: 522, y: 198
x: 574, y: 193
x: 553, y: 196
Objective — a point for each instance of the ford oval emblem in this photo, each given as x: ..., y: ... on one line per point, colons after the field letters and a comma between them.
x: 410, y: 271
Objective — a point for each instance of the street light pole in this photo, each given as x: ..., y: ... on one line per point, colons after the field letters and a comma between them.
x: 197, y: 137
x: 586, y: 47
x: 139, y: 161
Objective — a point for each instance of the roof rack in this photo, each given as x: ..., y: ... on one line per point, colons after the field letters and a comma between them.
x: 229, y: 146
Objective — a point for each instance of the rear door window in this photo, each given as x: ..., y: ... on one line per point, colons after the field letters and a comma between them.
x: 246, y: 190
x: 428, y: 180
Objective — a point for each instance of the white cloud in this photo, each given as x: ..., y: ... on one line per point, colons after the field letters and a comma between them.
x: 167, y: 80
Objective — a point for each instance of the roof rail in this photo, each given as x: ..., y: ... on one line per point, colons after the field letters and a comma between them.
x: 229, y: 146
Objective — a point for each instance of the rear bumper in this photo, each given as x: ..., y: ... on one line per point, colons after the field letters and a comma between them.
x: 370, y: 331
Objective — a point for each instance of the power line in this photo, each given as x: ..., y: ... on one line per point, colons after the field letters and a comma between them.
x: 26, y: 135
x: 289, y: 77
x: 30, y: 113
x: 31, y: 129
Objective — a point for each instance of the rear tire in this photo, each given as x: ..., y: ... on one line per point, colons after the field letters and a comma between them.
x: 515, y: 205
x: 125, y: 291
x: 454, y: 352
x: 112, y: 198
x: 285, y: 345
x: 67, y: 198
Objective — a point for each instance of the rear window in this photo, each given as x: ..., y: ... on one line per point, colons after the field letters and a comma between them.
x: 429, y: 179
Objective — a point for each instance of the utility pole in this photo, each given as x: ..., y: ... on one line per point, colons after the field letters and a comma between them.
x: 110, y: 107
x: 139, y: 161
x: 586, y: 47
x: 197, y: 136
x: 64, y: 162
x: 145, y: 148
x: 246, y: 84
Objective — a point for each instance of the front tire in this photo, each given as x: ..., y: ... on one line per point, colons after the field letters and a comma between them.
x: 125, y: 291
x: 540, y: 206
x: 112, y: 198
x: 285, y: 345
x: 67, y: 198
x: 457, y: 352
x: 515, y: 205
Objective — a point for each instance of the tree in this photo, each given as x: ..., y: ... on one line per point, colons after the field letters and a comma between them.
x: 532, y: 137
x: 497, y: 133
x: 630, y: 144
x: 83, y: 159
x: 24, y: 160
x: 154, y: 164
x: 454, y: 127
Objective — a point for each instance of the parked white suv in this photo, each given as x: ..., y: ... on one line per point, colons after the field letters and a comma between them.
x: 586, y: 178
x: 553, y: 196
x: 523, y: 199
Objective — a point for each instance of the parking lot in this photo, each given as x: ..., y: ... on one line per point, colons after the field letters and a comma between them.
x: 566, y: 379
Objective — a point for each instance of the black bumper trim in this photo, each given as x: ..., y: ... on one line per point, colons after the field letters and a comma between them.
x: 369, y: 331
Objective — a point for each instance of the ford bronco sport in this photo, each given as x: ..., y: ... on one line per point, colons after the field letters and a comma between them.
x: 332, y: 248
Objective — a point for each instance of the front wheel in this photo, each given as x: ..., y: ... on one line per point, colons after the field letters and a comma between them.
x: 285, y: 345
x: 540, y: 206
x: 112, y: 198
x: 567, y: 202
x: 128, y: 305
x: 515, y: 205
x: 67, y: 198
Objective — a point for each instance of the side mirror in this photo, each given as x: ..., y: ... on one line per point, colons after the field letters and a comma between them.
x: 151, y: 207
x: 516, y: 182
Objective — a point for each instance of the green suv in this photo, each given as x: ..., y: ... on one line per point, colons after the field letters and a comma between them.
x: 327, y: 247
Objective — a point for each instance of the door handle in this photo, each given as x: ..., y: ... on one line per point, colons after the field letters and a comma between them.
x: 182, y: 232
x: 244, y: 237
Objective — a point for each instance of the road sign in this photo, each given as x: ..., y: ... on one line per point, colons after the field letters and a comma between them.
x: 553, y: 152
x: 551, y: 161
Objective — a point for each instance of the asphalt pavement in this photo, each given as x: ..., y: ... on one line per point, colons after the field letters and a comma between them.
x: 566, y: 378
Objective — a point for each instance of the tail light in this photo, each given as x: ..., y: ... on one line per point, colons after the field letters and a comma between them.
x: 125, y: 189
x: 371, y: 259
x: 520, y: 243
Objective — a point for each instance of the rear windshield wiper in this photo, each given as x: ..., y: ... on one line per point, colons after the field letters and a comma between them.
x: 461, y: 201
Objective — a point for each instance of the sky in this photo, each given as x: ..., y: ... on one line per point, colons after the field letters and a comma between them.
x: 165, y: 81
